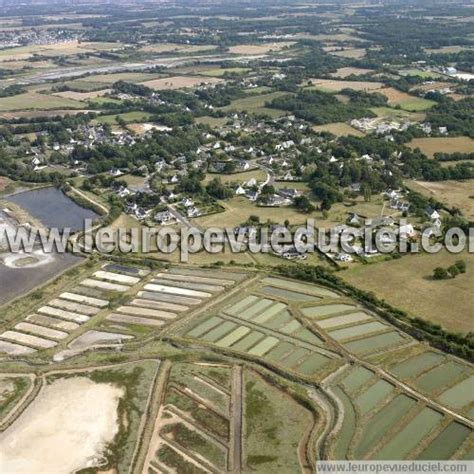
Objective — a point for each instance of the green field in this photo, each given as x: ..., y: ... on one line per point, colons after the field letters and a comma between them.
x: 256, y: 104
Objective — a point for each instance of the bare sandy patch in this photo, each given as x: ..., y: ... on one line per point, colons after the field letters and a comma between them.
x: 98, y: 338
x: 66, y: 428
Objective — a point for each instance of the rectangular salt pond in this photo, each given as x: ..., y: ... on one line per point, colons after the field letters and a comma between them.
x: 410, y: 435
x: 123, y: 318
x: 76, y: 307
x: 264, y: 346
x: 158, y: 305
x: 233, y: 337
x: 287, y: 294
x: 297, y: 286
x: 172, y: 290
x: 41, y: 331
x: 459, y: 395
x: 382, y: 422
x: 282, y: 349
x: 374, y: 343
x: 104, y: 285
x: 441, y: 376
x: 155, y: 296
x: 145, y: 312
x: 269, y: 313
x: 188, y: 285
x: 326, y: 310
x: 255, y: 309
x: 415, y: 365
x: 52, y: 322
x: 446, y: 443
x: 15, y: 349
x: 248, y: 341
x: 373, y: 396
x: 360, y: 330
x: 357, y: 377
x: 115, y: 277
x: 218, y: 332
x: 67, y: 315
x: 295, y: 357
x: 336, y: 321
x: 33, y: 341
x: 84, y: 299
x: 311, y: 365
x: 195, y: 279
x: 204, y: 326
x: 291, y: 327
x: 279, y: 320
x: 234, y: 309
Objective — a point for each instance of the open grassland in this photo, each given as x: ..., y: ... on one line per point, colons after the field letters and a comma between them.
x: 406, y: 283
x: 349, y: 71
x: 219, y: 72
x: 129, y: 117
x: 458, y: 194
x: 340, y: 129
x: 390, y: 112
x: 260, y: 48
x: 82, y: 96
x: 52, y: 50
x: 256, y: 104
x: 238, y: 178
x: 431, y: 145
x: 121, y: 76
x: 34, y: 101
x: 330, y: 85
x: 406, y: 101
x: 213, y: 122
x: 350, y: 53
x: 239, y: 209
x: 160, y: 48
x: 180, y: 82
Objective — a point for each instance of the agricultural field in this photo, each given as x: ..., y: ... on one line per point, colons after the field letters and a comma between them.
x: 445, y: 302
x: 260, y: 48
x: 330, y: 85
x: 350, y: 53
x: 344, y: 72
x: 256, y: 104
x: 431, y: 145
x: 35, y: 101
x: 180, y: 82
x: 406, y: 101
x: 459, y: 194
x: 340, y: 129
